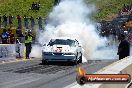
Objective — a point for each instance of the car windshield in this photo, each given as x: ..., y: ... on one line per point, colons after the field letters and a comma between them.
x: 62, y: 42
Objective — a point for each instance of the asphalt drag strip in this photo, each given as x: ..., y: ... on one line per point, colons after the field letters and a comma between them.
x: 32, y: 74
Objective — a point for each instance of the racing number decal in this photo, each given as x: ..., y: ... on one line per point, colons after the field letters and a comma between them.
x: 59, y: 50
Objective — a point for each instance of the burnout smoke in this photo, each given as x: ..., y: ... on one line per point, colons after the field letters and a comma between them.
x: 70, y: 18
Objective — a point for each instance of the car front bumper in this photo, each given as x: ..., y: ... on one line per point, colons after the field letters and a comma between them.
x: 58, y: 56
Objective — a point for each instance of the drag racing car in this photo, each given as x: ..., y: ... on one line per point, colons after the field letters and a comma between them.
x: 62, y: 49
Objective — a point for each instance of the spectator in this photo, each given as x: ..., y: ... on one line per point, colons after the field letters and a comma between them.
x: 124, y: 48
x: 40, y: 23
x: 11, y: 37
x: 32, y: 22
x: 126, y: 8
x: 19, y: 22
x: 20, y: 36
x: 129, y: 7
x: 0, y: 20
x: 5, y: 21
x: 46, y: 21
x: 10, y: 20
x: 38, y: 6
x: 33, y: 6
x: 26, y: 21
x: 56, y: 2
x: 19, y: 33
x: 130, y: 37
x: 4, y: 37
x: 130, y: 17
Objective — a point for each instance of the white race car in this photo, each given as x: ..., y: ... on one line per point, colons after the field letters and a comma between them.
x: 62, y: 49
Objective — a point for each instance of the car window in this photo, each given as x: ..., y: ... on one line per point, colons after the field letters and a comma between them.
x: 62, y: 42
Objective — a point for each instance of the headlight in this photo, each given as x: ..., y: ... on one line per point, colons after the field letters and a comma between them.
x: 72, y: 50
x: 46, y: 49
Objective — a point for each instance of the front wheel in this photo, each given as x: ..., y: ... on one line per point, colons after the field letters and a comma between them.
x: 44, y: 62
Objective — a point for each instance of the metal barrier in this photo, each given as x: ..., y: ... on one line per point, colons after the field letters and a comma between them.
x: 11, y: 51
x: 7, y: 51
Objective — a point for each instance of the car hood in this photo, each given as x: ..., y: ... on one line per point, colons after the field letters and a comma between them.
x: 59, y: 48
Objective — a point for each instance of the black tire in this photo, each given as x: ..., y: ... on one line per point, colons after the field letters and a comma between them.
x: 80, y: 59
x: 44, y: 62
x: 75, y: 62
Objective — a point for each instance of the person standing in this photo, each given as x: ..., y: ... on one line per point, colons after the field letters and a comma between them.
x: 32, y: 22
x: 56, y: 2
x: 10, y: 20
x: 19, y: 22
x: 5, y: 21
x: 11, y: 38
x: 40, y: 23
x: 0, y: 20
x: 20, y: 36
x: 123, y: 48
x: 28, y: 44
x: 38, y: 6
x: 4, y: 37
x: 26, y: 21
x: 33, y: 6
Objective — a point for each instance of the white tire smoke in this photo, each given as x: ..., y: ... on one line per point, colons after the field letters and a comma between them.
x: 71, y: 18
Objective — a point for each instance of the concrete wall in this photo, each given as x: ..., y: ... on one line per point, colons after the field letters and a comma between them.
x: 123, y: 66
x: 127, y: 70
x: 8, y: 51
